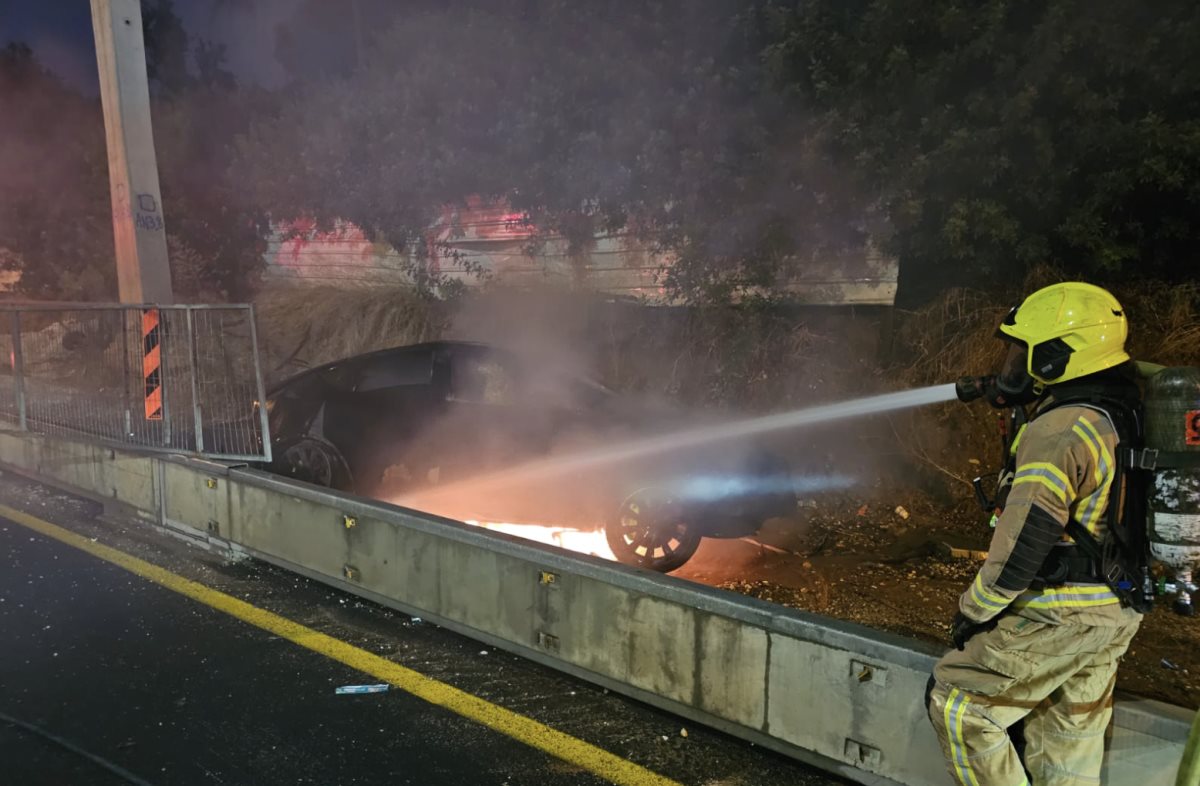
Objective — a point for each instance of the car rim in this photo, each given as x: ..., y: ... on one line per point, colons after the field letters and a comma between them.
x: 651, y: 530
x: 311, y: 463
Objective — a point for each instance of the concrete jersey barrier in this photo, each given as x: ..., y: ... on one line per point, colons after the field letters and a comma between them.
x: 840, y: 696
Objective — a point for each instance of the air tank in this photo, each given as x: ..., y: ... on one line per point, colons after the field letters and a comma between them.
x: 1172, y: 407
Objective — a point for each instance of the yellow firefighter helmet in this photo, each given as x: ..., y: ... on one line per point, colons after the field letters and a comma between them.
x: 1069, y: 330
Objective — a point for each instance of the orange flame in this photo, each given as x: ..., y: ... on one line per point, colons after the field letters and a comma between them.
x: 581, y: 541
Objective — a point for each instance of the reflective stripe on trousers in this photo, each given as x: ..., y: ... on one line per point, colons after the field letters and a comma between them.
x: 1057, y: 678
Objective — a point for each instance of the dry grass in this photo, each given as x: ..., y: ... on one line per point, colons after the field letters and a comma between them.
x: 729, y: 358
x: 1165, y: 323
x: 951, y: 337
x: 300, y: 327
x: 749, y: 359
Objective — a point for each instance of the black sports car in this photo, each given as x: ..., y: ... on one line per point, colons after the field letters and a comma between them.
x: 405, y: 420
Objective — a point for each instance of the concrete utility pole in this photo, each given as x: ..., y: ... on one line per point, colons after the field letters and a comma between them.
x: 143, y: 272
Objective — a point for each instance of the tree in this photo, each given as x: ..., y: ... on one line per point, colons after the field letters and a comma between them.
x: 216, y: 237
x: 52, y: 153
x: 653, y: 117
x: 977, y: 139
x: 1007, y: 133
x: 55, y: 221
x: 167, y: 47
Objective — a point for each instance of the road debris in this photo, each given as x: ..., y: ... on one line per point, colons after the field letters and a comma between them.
x: 355, y: 689
x: 953, y: 552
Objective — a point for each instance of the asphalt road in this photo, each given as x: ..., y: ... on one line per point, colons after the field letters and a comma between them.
x: 108, y: 678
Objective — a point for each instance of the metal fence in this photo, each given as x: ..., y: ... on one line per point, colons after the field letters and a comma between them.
x: 182, y: 379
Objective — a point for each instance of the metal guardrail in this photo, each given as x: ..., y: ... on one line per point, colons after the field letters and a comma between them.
x: 179, y: 379
x: 834, y: 694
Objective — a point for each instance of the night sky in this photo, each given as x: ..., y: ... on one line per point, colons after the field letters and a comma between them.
x: 60, y: 34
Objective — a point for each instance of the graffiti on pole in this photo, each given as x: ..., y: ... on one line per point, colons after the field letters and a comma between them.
x: 147, y: 216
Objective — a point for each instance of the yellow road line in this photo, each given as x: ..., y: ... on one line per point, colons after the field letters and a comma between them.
x: 518, y: 727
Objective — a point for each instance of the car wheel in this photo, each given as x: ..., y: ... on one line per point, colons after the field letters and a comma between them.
x: 651, y: 531
x: 316, y: 462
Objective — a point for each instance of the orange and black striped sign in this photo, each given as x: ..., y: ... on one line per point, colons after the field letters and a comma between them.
x: 152, y: 363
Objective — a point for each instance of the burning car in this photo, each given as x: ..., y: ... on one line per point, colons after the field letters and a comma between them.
x: 413, y: 420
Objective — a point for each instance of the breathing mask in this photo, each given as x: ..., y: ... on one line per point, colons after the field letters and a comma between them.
x: 1014, y: 384
x: 1012, y: 387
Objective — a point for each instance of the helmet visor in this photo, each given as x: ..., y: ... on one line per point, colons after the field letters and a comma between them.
x: 1014, y: 378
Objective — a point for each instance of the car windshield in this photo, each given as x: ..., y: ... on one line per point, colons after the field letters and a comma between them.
x: 501, y: 378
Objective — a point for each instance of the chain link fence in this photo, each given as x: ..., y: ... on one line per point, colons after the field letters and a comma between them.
x: 183, y: 379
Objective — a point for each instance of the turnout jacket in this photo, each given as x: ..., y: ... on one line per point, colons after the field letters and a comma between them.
x: 1065, y: 468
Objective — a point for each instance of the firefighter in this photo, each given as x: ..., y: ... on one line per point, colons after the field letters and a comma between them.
x: 1038, y: 633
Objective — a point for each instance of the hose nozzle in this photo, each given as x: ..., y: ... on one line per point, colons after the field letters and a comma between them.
x: 969, y: 389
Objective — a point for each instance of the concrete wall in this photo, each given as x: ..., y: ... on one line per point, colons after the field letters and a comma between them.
x: 837, y: 695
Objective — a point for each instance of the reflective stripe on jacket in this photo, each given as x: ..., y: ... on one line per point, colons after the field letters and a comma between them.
x: 1065, y: 468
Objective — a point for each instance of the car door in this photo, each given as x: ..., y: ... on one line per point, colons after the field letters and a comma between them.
x: 296, y: 408
x: 375, y: 418
x: 484, y: 426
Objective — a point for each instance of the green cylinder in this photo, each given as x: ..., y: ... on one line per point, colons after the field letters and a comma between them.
x: 1172, y: 405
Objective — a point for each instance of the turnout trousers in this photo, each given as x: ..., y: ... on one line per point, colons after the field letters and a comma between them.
x: 1057, y: 678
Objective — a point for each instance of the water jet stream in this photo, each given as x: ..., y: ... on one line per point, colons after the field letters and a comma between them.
x: 557, y: 466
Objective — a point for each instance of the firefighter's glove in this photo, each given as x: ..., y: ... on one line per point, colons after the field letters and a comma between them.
x: 963, y: 628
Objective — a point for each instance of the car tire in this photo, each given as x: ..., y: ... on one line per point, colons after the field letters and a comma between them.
x: 315, y: 461
x: 652, y: 531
